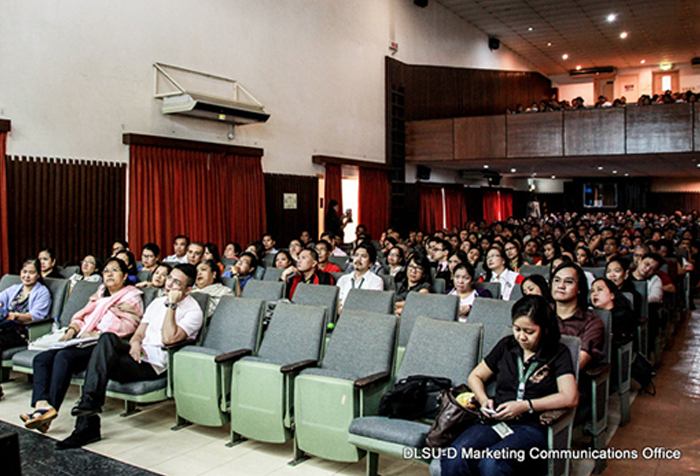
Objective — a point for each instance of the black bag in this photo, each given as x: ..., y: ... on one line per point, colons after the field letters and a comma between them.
x: 452, y: 419
x: 413, y: 397
x: 643, y: 373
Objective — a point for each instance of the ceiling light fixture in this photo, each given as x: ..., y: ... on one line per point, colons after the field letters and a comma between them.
x: 486, y: 166
x: 665, y: 66
x: 611, y: 18
x: 623, y: 35
x: 627, y: 175
x: 565, y: 56
x: 530, y: 28
x: 549, y: 44
x: 697, y: 165
x: 643, y: 61
x: 513, y: 171
x: 600, y: 167
x: 554, y: 176
x: 578, y: 67
x: 614, y: 171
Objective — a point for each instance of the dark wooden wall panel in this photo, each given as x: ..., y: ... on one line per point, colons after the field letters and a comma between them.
x: 594, y: 132
x: 480, y: 137
x: 430, y: 140
x: 288, y: 224
x: 535, y: 135
x: 668, y: 202
x: 659, y: 128
x: 76, y: 207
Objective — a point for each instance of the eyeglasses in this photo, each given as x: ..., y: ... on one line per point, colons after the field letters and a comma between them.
x: 85, y: 261
x: 175, y: 280
x: 493, y: 256
x: 111, y: 270
x: 414, y: 267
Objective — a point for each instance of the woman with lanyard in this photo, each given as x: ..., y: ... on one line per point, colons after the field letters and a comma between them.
x: 533, y: 373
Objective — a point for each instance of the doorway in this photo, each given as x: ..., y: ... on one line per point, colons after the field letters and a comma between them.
x: 666, y: 81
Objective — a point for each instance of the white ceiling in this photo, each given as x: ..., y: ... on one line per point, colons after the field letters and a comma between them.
x: 658, y: 31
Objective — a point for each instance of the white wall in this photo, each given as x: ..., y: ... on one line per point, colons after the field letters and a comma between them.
x: 77, y: 74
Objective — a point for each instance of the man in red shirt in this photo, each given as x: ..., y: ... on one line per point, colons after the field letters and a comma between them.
x: 305, y: 271
x: 323, y: 249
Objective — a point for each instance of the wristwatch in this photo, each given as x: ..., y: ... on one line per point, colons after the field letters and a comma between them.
x: 532, y: 409
x: 171, y: 305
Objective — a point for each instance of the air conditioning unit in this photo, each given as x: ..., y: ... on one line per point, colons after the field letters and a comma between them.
x: 601, y: 72
x: 695, y: 62
x: 216, y: 109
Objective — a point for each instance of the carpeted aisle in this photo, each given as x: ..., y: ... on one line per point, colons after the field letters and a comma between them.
x: 40, y: 458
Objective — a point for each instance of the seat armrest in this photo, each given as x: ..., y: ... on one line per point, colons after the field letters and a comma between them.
x: 598, y: 371
x: 231, y: 356
x: 551, y: 417
x: 298, y: 366
x: 372, y: 379
x: 178, y: 345
x: 38, y: 322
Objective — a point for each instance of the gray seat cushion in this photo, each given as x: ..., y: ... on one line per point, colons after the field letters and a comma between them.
x: 24, y: 358
x: 201, y: 350
x: 138, y: 388
x: 402, y: 432
x: 331, y: 374
x: 10, y: 353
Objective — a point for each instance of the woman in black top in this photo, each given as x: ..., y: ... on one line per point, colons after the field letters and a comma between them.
x: 416, y: 278
x: 533, y: 373
x: 606, y: 296
x: 334, y: 221
x: 47, y: 260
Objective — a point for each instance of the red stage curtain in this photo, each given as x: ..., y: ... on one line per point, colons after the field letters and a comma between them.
x: 207, y: 196
x: 430, y: 216
x: 455, y: 208
x: 498, y: 205
x: 334, y: 186
x: 4, y: 233
x: 375, y: 200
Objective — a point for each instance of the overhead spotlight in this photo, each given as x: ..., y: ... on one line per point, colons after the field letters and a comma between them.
x: 611, y: 18
x: 513, y: 171
x: 600, y: 168
x: 530, y: 28
x: 623, y: 35
x: 565, y: 56
x: 578, y: 67
x: 534, y: 174
x: 627, y: 175
x: 643, y: 61
x: 614, y: 171
x: 486, y: 166
x: 697, y: 165
x: 554, y: 176
x: 549, y: 44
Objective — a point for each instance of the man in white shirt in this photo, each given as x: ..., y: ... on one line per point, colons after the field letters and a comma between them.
x: 169, y: 319
x: 331, y: 238
x: 195, y: 253
x: 361, y: 277
x: 180, y: 245
x: 646, y: 271
x: 269, y: 244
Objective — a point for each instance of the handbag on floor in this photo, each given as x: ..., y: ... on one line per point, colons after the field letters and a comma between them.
x: 452, y: 419
x: 643, y: 373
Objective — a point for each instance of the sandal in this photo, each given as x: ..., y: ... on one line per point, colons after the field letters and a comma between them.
x: 39, y: 419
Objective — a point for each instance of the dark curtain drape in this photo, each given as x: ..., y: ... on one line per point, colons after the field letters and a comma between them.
x: 208, y: 196
x: 4, y: 235
x: 430, y: 215
x: 334, y: 186
x: 374, y: 198
x: 455, y: 208
x: 498, y: 205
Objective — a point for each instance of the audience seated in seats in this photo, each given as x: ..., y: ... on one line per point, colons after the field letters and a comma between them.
x: 333, y: 240
x: 128, y: 258
x: 570, y: 294
x: 514, y: 255
x: 150, y: 254
x: 396, y: 259
x: 180, y: 245
x: 258, y: 250
x: 536, y: 285
x: 305, y: 271
x: 47, y: 259
x: 244, y: 269
x: 208, y: 282
x: 305, y: 238
x: 283, y: 259
x: 323, y: 249
x: 269, y: 244
x: 415, y: 279
x: 474, y: 256
x: 456, y: 257
x: 170, y: 319
x: 157, y: 280
x: 606, y: 296
x: 464, y: 280
x: 377, y: 267
x: 584, y: 258
x: 90, y: 268
x: 232, y: 250
x: 646, y: 270
x: 616, y: 270
x: 497, y: 271
x: 115, y: 308
x: 195, y: 253
x: 211, y: 251
x: 119, y: 246
x: 294, y: 249
x: 532, y: 250
x: 550, y: 251
x: 361, y: 277
x: 549, y: 385
x: 21, y: 303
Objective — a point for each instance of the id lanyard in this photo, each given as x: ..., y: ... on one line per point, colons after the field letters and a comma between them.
x: 523, y: 376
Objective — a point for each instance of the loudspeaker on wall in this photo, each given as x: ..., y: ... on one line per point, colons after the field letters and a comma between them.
x: 421, y: 3
x: 494, y: 43
x: 422, y: 172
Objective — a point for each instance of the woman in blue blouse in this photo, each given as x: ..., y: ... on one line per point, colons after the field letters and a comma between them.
x: 22, y: 303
